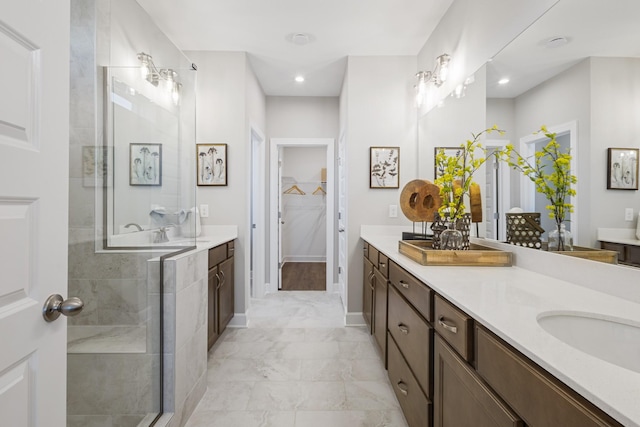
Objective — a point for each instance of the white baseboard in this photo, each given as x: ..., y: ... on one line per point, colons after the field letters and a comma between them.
x: 239, y: 320
x: 354, y: 319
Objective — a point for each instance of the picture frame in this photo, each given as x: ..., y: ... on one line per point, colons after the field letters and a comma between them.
x: 449, y: 151
x: 212, y: 164
x: 384, y: 167
x: 145, y: 164
x: 622, y: 168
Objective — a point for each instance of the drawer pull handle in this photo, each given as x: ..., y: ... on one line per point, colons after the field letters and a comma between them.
x: 404, y: 329
x: 403, y: 388
x: 383, y: 265
x: 404, y: 284
x: 450, y: 328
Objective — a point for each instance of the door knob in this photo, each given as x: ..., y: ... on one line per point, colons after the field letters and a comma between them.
x: 55, y: 305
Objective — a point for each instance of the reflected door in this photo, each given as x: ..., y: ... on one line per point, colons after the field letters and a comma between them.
x: 34, y: 156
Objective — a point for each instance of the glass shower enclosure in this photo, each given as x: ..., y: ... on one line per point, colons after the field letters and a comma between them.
x: 132, y: 193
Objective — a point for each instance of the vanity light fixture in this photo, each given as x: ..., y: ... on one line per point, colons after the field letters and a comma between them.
x: 154, y: 75
x: 437, y: 77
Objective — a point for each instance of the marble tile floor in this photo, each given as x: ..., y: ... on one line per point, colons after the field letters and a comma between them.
x: 296, y: 365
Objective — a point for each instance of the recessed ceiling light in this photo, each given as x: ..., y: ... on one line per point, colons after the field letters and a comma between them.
x: 299, y: 79
x: 503, y: 81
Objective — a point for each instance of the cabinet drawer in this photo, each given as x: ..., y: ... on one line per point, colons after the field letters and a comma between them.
x: 633, y: 255
x: 230, y: 249
x: 416, y: 292
x: 614, y: 247
x: 413, y: 336
x: 415, y: 405
x: 539, y: 398
x: 461, y: 398
x: 217, y: 255
x: 383, y: 264
x: 455, y: 327
x: 373, y: 255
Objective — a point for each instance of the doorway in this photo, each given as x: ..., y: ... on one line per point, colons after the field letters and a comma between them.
x: 497, y: 192
x: 301, y: 209
x: 257, y: 229
x: 532, y: 201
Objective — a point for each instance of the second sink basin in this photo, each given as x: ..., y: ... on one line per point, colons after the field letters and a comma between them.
x: 608, y: 338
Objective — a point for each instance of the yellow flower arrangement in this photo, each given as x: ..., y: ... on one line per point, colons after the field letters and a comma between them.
x: 456, y: 172
x: 556, y: 185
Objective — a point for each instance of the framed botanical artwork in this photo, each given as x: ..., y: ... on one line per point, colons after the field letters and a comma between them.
x: 449, y: 152
x: 384, y: 167
x: 212, y: 164
x: 145, y: 164
x: 622, y: 168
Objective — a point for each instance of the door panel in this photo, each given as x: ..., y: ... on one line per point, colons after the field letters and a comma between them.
x: 34, y: 141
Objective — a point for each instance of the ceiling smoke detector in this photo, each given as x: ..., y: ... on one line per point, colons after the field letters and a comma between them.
x: 555, y: 42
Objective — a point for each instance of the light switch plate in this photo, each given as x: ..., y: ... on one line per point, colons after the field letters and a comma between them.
x: 204, y: 211
x: 393, y: 211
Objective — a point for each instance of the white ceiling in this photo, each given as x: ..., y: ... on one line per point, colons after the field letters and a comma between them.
x: 337, y: 28
x: 592, y: 27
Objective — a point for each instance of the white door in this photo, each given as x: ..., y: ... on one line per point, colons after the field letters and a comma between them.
x: 280, y: 218
x: 342, y: 220
x: 34, y: 170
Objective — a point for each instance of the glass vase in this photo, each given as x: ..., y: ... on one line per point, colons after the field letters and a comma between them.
x: 560, y: 239
x: 451, y: 238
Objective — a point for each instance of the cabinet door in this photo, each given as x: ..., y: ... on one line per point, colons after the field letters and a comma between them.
x: 225, y: 294
x: 461, y: 398
x: 367, y: 294
x: 212, y: 307
x: 380, y: 313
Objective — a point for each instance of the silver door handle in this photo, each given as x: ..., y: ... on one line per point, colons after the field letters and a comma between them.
x: 404, y: 284
x: 55, y: 305
x: 403, y: 387
x: 404, y: 329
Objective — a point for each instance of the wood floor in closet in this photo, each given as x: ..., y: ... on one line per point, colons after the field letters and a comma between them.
x: 304, y: 276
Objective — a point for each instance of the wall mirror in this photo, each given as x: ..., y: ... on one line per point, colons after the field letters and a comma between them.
x: 150, y: 171
x: 576, y: 69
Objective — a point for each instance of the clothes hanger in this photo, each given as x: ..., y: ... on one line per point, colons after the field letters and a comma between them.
x: 319, y: 190
x: 294, y: 189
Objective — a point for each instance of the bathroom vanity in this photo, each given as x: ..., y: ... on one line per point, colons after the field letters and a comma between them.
x: 484, y: 346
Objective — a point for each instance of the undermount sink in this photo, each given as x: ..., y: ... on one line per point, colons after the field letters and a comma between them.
x: 614, y: 340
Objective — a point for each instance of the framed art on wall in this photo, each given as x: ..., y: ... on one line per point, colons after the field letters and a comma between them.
x: 622, y: 168
x: 145, y: 164
x: 384, y: 170
x: 212, y: 164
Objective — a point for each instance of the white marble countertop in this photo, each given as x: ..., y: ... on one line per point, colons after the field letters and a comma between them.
x: 625, y: 236
x: 211, y: 236
x: 509, y: 300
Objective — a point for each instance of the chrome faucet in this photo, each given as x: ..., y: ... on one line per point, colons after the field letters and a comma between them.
x: 133, y: 224
x: 160, y: 235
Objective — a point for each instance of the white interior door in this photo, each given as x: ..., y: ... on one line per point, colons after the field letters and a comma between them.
x: 342, y: 220
x: 34, y: 159
x: 280, y: 218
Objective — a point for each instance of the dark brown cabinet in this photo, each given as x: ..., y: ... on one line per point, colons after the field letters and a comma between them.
x: 220, y: 304
x: 368, y: 294
x: 461, y: 398
x: 448, y: 370
x: 374, y: 296
x: 627, y: 254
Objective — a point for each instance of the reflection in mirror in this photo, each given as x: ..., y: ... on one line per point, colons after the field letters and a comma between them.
x: 148, y: 198
x: 577, y: 64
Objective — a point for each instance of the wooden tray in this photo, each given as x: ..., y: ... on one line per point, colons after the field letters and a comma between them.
x: 420, y: 251
x: 601, y: 255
